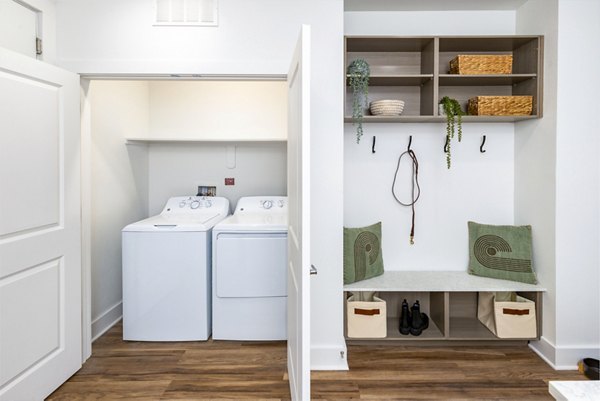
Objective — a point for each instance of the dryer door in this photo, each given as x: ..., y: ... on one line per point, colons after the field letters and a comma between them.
x: 251, y: 265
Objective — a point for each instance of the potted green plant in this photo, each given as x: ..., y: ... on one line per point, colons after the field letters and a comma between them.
x: 453, y: 112
x: 358, y: 79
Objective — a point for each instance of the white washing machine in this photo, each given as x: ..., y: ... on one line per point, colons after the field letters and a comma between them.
x: 167, y: 271
x: 250, y: 271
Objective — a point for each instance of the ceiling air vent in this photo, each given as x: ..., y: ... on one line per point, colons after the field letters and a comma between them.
x: 186, y: 12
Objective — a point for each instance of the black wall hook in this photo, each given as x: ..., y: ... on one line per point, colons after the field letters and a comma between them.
x: 409, y: 143
x: 373, y: 145
x: 481, y: 147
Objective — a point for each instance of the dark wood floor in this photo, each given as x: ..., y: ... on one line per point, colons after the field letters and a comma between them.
x: 219, y: 370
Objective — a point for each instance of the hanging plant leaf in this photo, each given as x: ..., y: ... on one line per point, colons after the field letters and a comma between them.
x: 358, y: 79
x: 453, y: 123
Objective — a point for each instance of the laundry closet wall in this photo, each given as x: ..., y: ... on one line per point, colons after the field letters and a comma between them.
x: 119, y: 186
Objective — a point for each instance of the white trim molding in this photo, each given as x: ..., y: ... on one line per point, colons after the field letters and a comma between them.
x: 563, y: 358
x: 106, y: 320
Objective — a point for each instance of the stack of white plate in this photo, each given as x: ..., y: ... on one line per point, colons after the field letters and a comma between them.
x: 387, y: 107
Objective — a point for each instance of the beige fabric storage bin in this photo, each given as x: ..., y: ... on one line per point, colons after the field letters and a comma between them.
x: 507, y: 315
x: 366, y: 319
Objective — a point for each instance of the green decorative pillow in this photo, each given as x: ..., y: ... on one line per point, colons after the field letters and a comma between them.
x: 502, y: 252
x: 362, y: 253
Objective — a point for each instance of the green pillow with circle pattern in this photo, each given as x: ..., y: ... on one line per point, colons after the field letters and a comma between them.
x: 502, y: 252
x: 362, y: 253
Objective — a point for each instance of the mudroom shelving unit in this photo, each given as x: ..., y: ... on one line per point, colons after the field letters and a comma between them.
x: 448, y: 298
x: 415, y: 69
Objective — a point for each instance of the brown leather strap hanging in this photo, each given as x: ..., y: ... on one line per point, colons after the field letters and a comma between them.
x: 415, y: 185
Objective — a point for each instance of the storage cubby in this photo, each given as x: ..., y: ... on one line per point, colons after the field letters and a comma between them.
x: 448, y: 298
x: 524, y: 79
x: 401, y: 68
x: 415, y: 69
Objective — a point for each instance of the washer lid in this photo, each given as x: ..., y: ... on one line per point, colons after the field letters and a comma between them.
x: 254, y: 222
x: 160, y: 223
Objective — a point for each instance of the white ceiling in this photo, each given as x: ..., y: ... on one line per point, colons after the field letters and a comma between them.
x: 431, y: 5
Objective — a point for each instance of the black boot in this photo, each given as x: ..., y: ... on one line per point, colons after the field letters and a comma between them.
x: 405, y: 320
x: 420, y: 321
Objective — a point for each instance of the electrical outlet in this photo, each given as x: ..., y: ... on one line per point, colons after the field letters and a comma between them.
x: 229, y: 181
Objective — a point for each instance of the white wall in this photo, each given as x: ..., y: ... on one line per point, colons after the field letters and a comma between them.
x: 557, y: 175
x: 478, y: 187
x: 577, y: 190
x: 218, y: 110
x: 118, y: 36
x: 177, y: 169
x: 535, y: 159
x: 258, y: 37
x: 119, y: 187
x: 429, y: 23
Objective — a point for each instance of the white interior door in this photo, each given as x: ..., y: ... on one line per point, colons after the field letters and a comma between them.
x: 298, y: 156
x: 40, y: 229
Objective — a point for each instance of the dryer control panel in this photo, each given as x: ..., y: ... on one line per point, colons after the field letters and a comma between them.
x: 262, y: 204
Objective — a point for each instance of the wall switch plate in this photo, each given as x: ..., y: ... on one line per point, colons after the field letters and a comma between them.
x: 229, y: 181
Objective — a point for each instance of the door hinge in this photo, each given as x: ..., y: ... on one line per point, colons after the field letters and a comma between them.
x: 38, y: 46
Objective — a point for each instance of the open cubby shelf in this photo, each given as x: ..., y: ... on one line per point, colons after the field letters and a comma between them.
x: 449, y: 298
x: 415, y: 69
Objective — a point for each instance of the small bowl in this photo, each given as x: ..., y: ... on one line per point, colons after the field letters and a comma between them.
x: 591, y: 368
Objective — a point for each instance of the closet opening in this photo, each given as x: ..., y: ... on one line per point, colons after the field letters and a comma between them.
x: 148, y: 139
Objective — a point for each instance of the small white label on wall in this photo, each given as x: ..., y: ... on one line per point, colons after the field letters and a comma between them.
x: 186, y: 13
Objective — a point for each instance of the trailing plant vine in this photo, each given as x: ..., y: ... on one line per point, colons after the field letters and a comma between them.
x: 358, y: 79
x: 453, y: 123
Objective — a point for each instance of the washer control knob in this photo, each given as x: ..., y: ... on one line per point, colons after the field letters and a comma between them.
x: 267, y: 204
x: 195, y: 204
x: 280, y: 203
x: 208, y: 203
x: 182, y: 204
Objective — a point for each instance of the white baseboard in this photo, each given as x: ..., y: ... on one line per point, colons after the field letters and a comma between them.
x: 329, y: 357
x: 106, y: 320
x: 562, y: 358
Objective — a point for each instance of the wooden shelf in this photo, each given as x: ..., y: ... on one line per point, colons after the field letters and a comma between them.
x: 399, y: 79
x: 484, y: 44
x: 193, y: 140
x: 483, y: 80
x: 386, y: 44
x: 439, y: 119
x: 469, y: 328
x: 393, y: 333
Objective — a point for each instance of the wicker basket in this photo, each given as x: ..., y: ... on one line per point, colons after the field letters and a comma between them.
x: 500, y: 105
x: 473, y: 64
x: 387, y: 107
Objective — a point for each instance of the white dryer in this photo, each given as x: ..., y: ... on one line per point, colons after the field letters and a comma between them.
x: 250, y: 271
x: 167, y: 271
